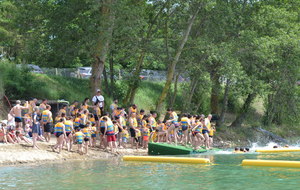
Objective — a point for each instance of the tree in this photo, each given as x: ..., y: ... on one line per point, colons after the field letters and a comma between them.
x: 172, y: 65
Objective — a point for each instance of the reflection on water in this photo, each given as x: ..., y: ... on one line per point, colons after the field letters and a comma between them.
x: 224, y: 173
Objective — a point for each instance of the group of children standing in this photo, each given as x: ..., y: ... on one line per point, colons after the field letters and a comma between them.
x: 85, y: 124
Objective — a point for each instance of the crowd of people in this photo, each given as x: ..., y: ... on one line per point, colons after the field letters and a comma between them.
x: 86, y: 125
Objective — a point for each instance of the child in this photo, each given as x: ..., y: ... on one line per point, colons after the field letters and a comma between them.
x: 93, y: 134
x: 125, y: 136
x: 146, y: 133
x: 79, y: 140
x: 110, y: 134
x: 69, y: 137
x: 161, y: 129
x: 117, y: 130
x: 60, y: 133
x: 87, y: 138
x: 211, y: 134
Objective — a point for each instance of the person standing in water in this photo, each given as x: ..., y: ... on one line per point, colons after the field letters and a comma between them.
x: 16, y: 112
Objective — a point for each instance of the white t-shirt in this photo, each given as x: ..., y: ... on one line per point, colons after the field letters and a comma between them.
x: 100, y: 98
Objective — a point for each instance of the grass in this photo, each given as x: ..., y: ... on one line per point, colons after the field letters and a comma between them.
x: 69, y: 89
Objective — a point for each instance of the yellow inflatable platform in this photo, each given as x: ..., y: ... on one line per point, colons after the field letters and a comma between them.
x: 167, y: 159
x: 274, y: 150
x: 272, y: 163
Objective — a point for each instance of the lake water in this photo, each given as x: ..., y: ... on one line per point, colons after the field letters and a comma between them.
x: 224, y: 173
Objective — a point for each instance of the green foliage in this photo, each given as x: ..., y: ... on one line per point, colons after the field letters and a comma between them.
x: 22, y: 84
x: 252, y: 44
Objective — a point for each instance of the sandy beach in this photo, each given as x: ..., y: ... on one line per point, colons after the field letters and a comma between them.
x: 11, y: 154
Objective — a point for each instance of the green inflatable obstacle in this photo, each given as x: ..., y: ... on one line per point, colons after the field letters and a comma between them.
x: 169, y: 149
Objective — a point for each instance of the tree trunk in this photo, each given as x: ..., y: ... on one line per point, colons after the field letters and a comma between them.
x: 215, y: 91
x: 173, y: 99
x: 102, y: 46
x: 106, y: 81
x: 111, y: 69
x: 172, y: 66
x: 244, y: 111
x: 134, y: 84
x: 189, y: 98
x: 220, y: 122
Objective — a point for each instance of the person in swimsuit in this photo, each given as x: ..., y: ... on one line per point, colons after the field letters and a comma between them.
x: 110, y: 134
x: 60, y: 133
x: 79, y: 140
x: 197, y: 133
x: 133, y: 129
x: 173, y: 129
x: 46, y: 122
x: 185, y: 124
x: 69, y: 129
x: 3, y: 133
x: 16, y: 112
x: 145, y: 134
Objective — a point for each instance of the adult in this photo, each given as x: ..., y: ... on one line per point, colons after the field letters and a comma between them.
x: 36, y: 130
x: 99, y: 98
x: 16, y: 112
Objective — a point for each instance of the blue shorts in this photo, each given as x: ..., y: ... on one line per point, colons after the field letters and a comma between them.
x: 124, y: 139
x: 79, y: 141
x: 94, y: 135
x: 184, y: 128
x: 36, y: 128
x: 204, y: 131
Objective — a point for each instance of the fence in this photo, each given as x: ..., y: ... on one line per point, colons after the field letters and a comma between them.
x: 150, y: 75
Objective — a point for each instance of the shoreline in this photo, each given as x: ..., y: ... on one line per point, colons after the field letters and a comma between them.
x: 23, y: 153
x: 19, y: 154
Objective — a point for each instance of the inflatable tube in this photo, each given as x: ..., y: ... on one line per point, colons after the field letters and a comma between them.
x: 272, y: 163
x: 167, y: 159
x: 274, y: 150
